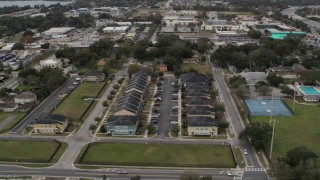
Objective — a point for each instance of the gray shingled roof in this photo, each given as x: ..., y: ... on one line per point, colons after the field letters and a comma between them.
x: 193, y: 77
x: 123, y: 120
x: 199, y: 101
x: 50, y: 119
x: 202, y: 121
x: 200, y: 110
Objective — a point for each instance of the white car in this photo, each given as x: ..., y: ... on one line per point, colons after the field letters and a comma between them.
x: 75, y: 83
x: 175, y: 107
x: 245, y: 152
x: 232, y: 174
x: 174, y: 122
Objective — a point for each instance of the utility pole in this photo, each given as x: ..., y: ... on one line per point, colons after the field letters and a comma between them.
x: 272, y: 138
x: 294, y: 98
x: 271, y: 108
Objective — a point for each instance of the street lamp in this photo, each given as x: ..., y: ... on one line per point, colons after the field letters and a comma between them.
x: 272, y: 138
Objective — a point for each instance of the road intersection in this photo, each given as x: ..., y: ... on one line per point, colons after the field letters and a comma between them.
x: 65, y: 166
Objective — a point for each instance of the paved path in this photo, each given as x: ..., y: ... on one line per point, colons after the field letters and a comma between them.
x: 6, y: 121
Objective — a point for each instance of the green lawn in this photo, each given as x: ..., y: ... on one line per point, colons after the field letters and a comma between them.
x: 235, y: 13
x: 199, y: 67
x: 302, y: 129
x: 32, y: 151
x: 187, y: 155
x: 73, y: 106
x: 18, y: 117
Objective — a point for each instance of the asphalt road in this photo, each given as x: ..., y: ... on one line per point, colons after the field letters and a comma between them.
x: 167, y: 173
x: 45, y: 107
x: 165, y: 108
x: 83, y: 136
x: 236, y: 125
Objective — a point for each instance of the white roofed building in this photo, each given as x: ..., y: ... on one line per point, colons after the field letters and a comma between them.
x: 51, y: 63
x: 120, y: 29
x: 58, y: 31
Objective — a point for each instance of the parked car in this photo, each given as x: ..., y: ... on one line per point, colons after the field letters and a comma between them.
x: 175, y: 107
x: 157, y: 103
x: 245, y: 152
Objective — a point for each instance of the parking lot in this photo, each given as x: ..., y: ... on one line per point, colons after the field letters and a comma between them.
x: 168, y: 108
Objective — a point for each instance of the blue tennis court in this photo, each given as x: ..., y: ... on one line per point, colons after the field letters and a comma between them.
x: 263, y: 107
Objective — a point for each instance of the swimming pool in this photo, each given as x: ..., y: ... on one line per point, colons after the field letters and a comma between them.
x: 309, y: 90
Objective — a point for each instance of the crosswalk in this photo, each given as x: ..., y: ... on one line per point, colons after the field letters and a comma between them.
x: 254, y: 169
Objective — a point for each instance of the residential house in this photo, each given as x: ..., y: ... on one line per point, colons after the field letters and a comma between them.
x: 25, y: 97
x: 131, y: 103
x: 122, y: 125
x: 25, y: 107
x: 163, y: 68
x: 193, y: 77
x: 199, y: 101
x: 203, y: 111
x: 202, y: 126
x: 50, y: 123
x: 93, y: 76
x: 8, y: 107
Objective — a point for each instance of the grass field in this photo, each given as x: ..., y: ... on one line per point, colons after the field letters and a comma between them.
x: 32, y: 151
x: 235, y: 13
x: 302, y: 129
x: 137, y: 154
x: 199, y: 67
x: 73, y: 106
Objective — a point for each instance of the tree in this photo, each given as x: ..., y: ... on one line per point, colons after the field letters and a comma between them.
x: 264, y: 90
x: 274, y: 80
x: 262, y: 58
x: 219, y: 107
x: 203, y: 45
x: 223, y: 124
x: 286, y: 90
x: 254, y: 34
x: 103, y: 129
x: 28, y: 33
x: 189, y: 175
x: 150, y: 128
x: 299, y: 163
x: 175, y: 129
x: 133, y: 68
x: 208, y: 177
x: 258, y: 134
x: 135, y: 178
x: 17, y: 46
x: 45, y: 45
x: 105, y: 103
x: 92, y: 127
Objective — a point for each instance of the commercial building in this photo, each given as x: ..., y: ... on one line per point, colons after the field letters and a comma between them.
x: 118, y: 29
x: 277, y: 34
x: 172, y: 20
x: 51, y: 63
x: 220, y: 25
x: 58, y: 31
